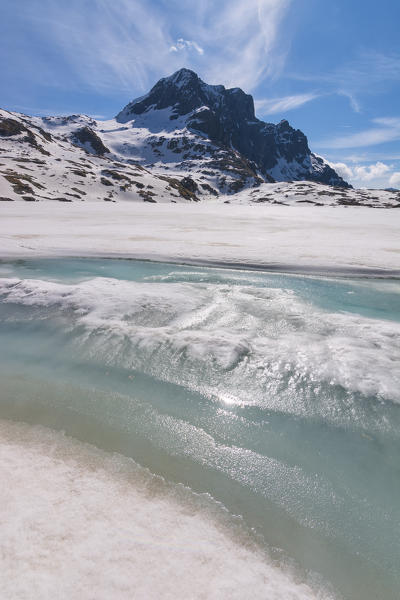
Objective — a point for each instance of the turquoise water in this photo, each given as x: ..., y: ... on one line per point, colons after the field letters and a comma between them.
x: 278, y: 395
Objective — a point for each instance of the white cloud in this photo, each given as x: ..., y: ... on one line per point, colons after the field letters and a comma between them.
x: 395, y: 179
x: 372, y: 175
x: 371, y: 172
x: 388, y: 130
x: 182, y: 44
x: 276, y: 105
x: 343, y: 170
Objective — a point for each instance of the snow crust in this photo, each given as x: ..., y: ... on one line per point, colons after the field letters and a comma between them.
x: 274, y: 236
x: 78, y: 522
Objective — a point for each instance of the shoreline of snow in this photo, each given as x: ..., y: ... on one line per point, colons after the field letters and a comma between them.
x: 331, y: 240
x: 71, y: 508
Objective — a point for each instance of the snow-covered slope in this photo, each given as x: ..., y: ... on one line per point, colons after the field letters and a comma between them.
x: 63, y: 158
x: 184, y: 141
x: 307, y: 193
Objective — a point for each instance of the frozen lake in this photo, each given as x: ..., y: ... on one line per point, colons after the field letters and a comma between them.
x: 276, y: 395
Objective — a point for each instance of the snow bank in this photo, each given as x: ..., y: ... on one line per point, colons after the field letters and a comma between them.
x: 77, y: 522
x: 291, y: 238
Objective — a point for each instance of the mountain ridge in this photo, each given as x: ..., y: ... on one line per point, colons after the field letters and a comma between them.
x: 227, y: 117
x: 183, y: 141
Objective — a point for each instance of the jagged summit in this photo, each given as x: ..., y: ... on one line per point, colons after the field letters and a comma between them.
x: 185, y: 92
x: 182, y: 77
x: 227, y: 118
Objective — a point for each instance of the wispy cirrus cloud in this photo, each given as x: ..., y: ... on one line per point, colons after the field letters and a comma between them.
x: 386, y: 130
x: 354, y: 103
x: 370, y: 72
x: 244, y: 38
x: 96, y: 45
x: 128, y: 44
x: 272, y: 106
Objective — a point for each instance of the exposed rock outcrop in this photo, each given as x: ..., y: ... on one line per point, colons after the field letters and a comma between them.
x: 87, y: 138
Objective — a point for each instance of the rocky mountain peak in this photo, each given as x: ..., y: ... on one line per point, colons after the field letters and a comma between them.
x: 182, y: 78
x: 283, y: 125
x: 227, y: 118
x: 184, y: 92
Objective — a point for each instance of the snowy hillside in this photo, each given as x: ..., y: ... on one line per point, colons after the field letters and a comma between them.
x: 184, y: 141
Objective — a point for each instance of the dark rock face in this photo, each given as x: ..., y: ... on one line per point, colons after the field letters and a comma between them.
x: 189, y: 184
x: 227, y: 118
x: 11, y: 127
x: 184, y: 91
x: 87, y: 135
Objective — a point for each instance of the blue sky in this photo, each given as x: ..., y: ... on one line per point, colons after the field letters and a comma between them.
x: 331, y: 67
